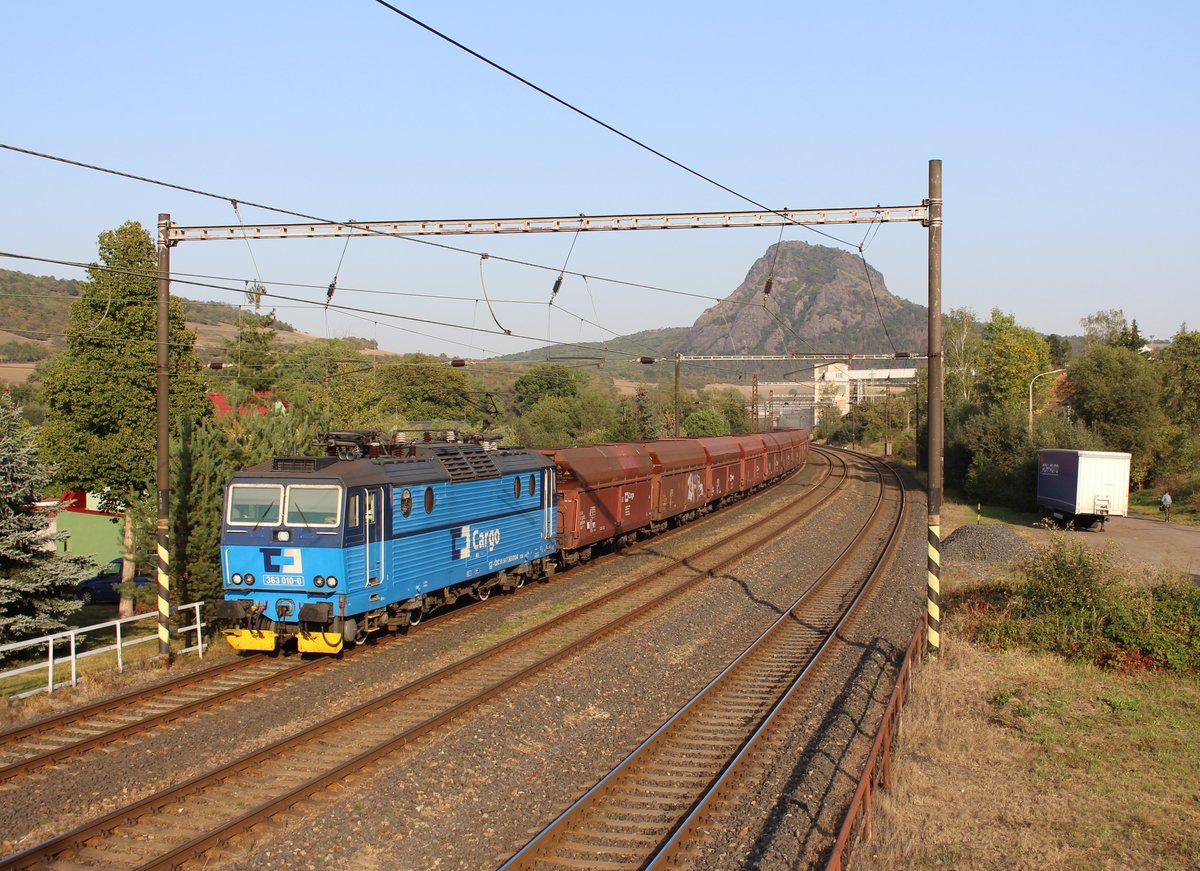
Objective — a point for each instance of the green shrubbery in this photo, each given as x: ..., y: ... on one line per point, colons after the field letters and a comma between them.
x: 1074, y: 601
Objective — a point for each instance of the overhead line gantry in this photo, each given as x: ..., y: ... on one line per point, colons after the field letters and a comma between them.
x: 928, y: 214
x: 575, y: 224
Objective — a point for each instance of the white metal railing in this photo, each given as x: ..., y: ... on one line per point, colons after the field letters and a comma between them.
x: 71, y: 636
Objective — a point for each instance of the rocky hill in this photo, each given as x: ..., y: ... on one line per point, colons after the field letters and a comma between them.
x: 820, y: 301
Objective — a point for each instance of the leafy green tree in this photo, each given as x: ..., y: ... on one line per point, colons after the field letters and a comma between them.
x: 593, y: 410
x: 1181, y: 376
x: 962, y: 342
x: 1060, y: 430
x: 705, y: 422
x: 732, y: 407
x: 333, y: 381
x: 1104, y: 327
x: 1003, y: 468
x: 1116, y: 392
x: 1012, y: 356
x: 101, y: 416
x: 547, y: 379
x: 36, y: 583
x: 829, y: 419
x: 421, y: 387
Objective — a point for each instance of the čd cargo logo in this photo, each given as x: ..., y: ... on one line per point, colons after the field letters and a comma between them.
x: 282, y: 560
x: 467, y: 540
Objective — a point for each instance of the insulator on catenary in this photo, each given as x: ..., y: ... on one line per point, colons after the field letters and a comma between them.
x: 458, y: 363
x: 767, y: 289
x: 557, y: 286
x: 647, y: 360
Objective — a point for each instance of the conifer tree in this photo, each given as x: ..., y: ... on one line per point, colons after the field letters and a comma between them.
x: 36, y: 584
x: 204, y: 457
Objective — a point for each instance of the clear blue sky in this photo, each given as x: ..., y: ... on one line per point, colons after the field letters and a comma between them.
x: 1068, y: 133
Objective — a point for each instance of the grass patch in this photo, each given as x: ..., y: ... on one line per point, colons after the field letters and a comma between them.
x: 1185, y: 506
x: 1018, y: 760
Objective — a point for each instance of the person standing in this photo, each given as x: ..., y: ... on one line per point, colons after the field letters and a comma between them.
x: 1164, y: 504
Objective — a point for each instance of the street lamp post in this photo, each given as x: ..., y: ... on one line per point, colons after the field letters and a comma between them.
x: 1031, y: 380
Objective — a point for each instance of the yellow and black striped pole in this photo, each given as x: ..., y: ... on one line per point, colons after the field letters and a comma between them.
x: 936, y: 433
x: 163, y: 481
x: 934, y: 585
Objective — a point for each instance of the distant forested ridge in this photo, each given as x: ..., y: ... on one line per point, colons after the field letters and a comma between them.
x: 36, y: 308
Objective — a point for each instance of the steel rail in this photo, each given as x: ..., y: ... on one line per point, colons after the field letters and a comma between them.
x: 91, y: 742
x: 699, y: 816
x: 402, y: 697
x: 591, y: 843
x: 105, y: 706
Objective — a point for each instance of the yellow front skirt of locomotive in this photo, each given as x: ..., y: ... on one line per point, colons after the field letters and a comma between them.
x: 250, y: 639
x: 319, y: 642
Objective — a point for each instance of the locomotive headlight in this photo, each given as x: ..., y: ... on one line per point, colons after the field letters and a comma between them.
x: 235, y: 578
x: 249, y: 580
x: 332, y: 581
x: 319, y: 581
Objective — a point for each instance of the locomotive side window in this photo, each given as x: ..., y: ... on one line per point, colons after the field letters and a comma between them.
x: 428, y: 500
x: 313, y: 505
x: 532, y: 485
x: 406, y: 503
x: 254, y: 504
x: 517, y: 487
x: 354, y: 511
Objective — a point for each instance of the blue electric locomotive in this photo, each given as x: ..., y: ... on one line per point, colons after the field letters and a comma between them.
x: 329, y: 549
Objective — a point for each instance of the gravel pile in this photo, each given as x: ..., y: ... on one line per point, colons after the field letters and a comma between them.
x: 989, y: 543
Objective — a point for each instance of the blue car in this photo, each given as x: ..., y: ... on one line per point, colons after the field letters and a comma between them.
x: 101, y: 589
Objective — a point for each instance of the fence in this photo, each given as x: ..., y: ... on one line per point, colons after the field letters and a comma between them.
x: 71, y: 638
x: 877, y: 773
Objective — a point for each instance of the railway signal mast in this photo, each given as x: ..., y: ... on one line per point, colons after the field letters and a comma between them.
x: 928, y: 214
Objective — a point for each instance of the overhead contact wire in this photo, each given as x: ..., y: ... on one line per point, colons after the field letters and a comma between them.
x: 596, y: 120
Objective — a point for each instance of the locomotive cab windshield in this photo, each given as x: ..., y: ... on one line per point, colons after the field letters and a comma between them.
x: 307, y: 505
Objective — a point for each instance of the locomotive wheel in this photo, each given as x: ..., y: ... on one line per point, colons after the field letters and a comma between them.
x: 518, y: 581
x: 483, y: 593
x: 414, y: 617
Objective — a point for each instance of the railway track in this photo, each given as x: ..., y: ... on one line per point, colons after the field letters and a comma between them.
x: 652, y: 808
x: 68, y: 736
x: 189, y: 820
x: 72, y: 733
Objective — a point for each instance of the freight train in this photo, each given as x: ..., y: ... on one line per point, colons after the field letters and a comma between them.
x: 381, y: 531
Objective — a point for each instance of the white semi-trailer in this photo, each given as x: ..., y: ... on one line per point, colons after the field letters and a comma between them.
x: 1082, y: 487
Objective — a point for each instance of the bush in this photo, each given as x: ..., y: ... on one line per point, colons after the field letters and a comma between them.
x: 1073, y: 601
x: 1159, y: 628
x: 1068, y: 577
